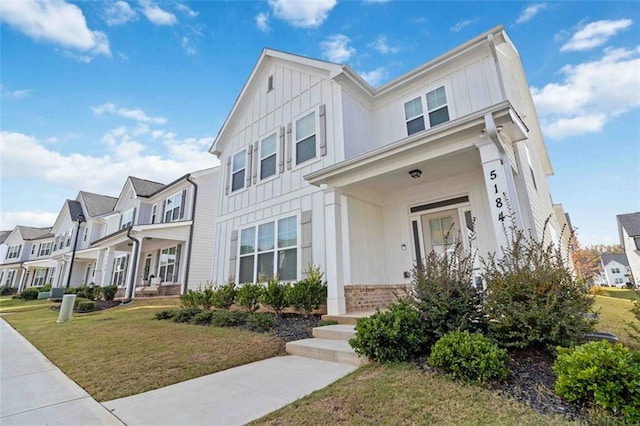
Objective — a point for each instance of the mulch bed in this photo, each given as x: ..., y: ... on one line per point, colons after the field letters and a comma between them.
x: 100, y: 305
x: 295, y: 327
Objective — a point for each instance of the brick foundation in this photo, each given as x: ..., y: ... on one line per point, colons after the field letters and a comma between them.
x: 372, y: 296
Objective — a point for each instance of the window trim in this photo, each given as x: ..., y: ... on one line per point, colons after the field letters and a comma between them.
x: 231, y: 172
x: 45, y: 249
x: 126, y: 225
x: 14, y: 254
x: 175, y: 264
x: 179, y: 207
x: 275, y: 249
x: 122, y: 271
x: 406, y: 120
x: 446, y: 105
x: 34, y: 282
x: 294, y: 142
x: 275, y: 132
x: 422, y: 94
x: 154, y: 213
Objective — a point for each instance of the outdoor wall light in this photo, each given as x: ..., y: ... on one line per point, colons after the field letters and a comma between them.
x: 415, y: 173
x: 403, y: 247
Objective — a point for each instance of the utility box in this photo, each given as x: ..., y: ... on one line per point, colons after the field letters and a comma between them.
x: 66, y: 309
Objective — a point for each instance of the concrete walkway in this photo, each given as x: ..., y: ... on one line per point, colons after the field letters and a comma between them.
x: 231, y: 397
x: 33, y: 391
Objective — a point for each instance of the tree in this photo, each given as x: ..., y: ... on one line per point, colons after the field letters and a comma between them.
x: 586, y: 262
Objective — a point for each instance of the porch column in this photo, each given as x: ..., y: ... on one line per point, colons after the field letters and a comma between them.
x: 132, y: 270
x: 107, y: 268
x: 523, y: 192
x: 500, y: 189
x: 333, y: 248
x: 97, y: 279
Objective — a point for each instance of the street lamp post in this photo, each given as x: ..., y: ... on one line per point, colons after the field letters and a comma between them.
x: 79, y: 221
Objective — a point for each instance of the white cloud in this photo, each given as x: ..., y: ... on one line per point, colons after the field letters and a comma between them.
x: 377, y: 1
x: 375, y: 77
x: 157, y: 15
x: 132, y: 114
x: 119, y: 13
x: 302, y: 14
x: 187, y: 10
x: 16, y: 94
x: 595, y: 34
x: 382, y: 46
x: 188, y: 46
x: 38, y: 219
x: 460, y: 25
x: 530, y: 11
x: 335, y: 48
x: 262, y: 22
x: 55, y: 21
x: 586, y: 99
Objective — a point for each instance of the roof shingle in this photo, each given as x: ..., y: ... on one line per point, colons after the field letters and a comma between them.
x: 98, y: 204
x: 145, y: 188
x: 618, y: 257
x: 631, y: 223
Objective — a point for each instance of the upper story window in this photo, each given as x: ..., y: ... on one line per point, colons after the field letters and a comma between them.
x: 238, y: 170
x: 615, y: 270
x: 67, y: 236
x: 86, y: 234
x: 33, y: 249
x: 268, y: 156
x: 154, y: 213
x: 437, y: 108
x: 174, y: 207
x: 45, y: 249
x: 126, y: 221
x: 14, y: 251
x: 305, y: 138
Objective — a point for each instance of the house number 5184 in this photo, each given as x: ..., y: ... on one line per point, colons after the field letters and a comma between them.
x: 497, y: 193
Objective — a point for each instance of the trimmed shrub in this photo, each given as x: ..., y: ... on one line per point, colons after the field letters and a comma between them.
x: 634, y: 333
x: 46, y: 287
x: 81, y: 294
x: 274, y: 295
x: 323, y: 323
x: 444, y: 294
x: 190, y: 299
x: 109, y: 292
x: 186, y: 314
x: 86, y: 306
x: 202, y: 318
x: 261, y: 322
x: 309, y: 293
x: 532, y: 296
x: 228, y: 318
x: 397, y: 334
x: 165, y: 315
x: 601, y: 374
x: 205, y: 297
x: 249, y: 296
x: 470, y: 357
x: 225, y: 295
x: 7, y: 291
x: 70, y: 290
x: 30, y: 293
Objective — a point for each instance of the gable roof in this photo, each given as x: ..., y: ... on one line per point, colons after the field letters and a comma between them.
x: 144, y: 187
x: 631, y: 223
x: 4, y: 235
x: 75, y: 209
x: 97, y: 204
x: 31, y: 233
x: 618, y: 257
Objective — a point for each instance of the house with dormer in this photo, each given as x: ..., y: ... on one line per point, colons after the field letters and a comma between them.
x: 23, y: 244
x: 320, y: 168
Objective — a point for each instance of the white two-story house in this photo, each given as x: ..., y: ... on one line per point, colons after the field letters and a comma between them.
x: 320, y: 168
x: 24, y: 243
x: 629, y: 232
x: 160, y: 235
x: 615, y: 268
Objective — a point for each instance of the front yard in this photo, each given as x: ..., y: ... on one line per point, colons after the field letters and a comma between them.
x: 123, y: 351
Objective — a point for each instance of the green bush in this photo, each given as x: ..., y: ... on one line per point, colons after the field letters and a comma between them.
x: 397, y: 334
x: 81, y: 294
x: 7, y: 291
x: 30, y: 293
x: 165, y: 315
x: 470, y: 357
x: 261, y: 322
x: 70, y: 290
x: 444, y: 294
x: 186, y: 314
x: 634, y: 333
x: 96, y: 293
x: 309, y: 293
x: 202, y: 318
x: 190, y: 299
x: 532, y: 296
x: 86, y: 306
x: 109, y: 292
x: 46, y: 287
x: 249, y: 296
x: 323, y: 323
x: 274, y: 295
x: 602, y: 374
x: 225, y: 295
x: 206, y: 297
x: 228, y: 318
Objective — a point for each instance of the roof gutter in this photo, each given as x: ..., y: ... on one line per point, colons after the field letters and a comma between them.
x: 135, y: 252
x: 193, y: 217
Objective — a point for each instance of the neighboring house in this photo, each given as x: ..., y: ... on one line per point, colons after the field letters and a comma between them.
x: 23, y: 244
x: 159, y: 234
x: 3, y: 252
x: 629, y: 231
x: 321, y: 168
x: 615, y: 268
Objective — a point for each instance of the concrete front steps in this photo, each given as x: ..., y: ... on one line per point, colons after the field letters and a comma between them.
x: 329, y: 344
x: 349, y: 318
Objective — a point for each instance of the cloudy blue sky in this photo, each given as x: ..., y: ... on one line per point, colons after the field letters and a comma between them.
x: 94, y: 91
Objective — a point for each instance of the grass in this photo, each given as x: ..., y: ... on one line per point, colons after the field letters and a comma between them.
x: 615, y: 314
x: 123, y: 351
x: 620, y: 293
x: 402, y: 394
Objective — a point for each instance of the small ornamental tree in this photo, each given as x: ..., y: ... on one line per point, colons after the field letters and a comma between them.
x: 309, y: 293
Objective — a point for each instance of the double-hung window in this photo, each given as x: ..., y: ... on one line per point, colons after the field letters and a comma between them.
x: 127, y: 219
x: 305, y: 138
x: 437, y: 111
x: 14, y: 252
x: 269, y: 249
x: 238, y: 170
x: 173, y: 207
x: 268, y: 156
x: 437, y: 106
x: 119, y: 271
x: 9, y: 278
x: 45, y: 249
x: 414, y: 116
x: 154, y: 213
x: 38, y: 277
x: 615, y: 270
x: 167, y: 264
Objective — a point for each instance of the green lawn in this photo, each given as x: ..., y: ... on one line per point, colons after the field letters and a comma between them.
x: 614, y: 314
x: 123, y: 351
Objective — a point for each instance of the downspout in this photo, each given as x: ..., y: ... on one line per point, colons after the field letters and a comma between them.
x: 23, y: 280
x: 193, y: 222
x: 136, y: 247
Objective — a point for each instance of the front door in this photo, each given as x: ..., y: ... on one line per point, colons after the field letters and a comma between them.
x: 439, y: 231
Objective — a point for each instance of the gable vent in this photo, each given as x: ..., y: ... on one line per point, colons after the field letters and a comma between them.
x: 270, y: 83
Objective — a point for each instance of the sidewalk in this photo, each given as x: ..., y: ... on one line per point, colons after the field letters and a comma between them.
x: 34, y: 391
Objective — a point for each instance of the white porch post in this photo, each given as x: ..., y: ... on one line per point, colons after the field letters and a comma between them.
x: 333, y: 248
x: 107, y: 268
x: 500, y: 189
x: 132, y: 270
x: 97, y: 279
x: 521, y: 185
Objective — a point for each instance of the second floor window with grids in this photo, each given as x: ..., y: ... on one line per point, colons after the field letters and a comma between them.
x: 414, y: 116
x: 127, y: 219
x: 173, y: 207
x: 45, y: 249
x: 13, y: 252
x: 615, y: 270
x: 305, y: 135
x: 268, y: 156
x: 437, y: 111
x: 437, y: 107
x: 238, y: 169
